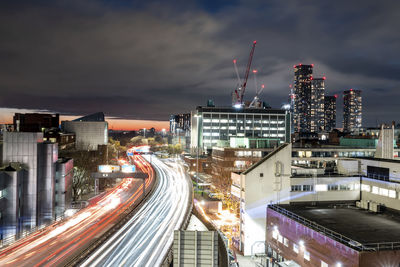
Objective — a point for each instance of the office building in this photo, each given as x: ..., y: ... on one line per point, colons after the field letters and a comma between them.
x: 90, y: 131
x: 352, y: 110
x: 179, y: 124
x: 330, y: 112
x: 212, y: 126
x: 35, y: 122
x: 317, y: 103
x: 302, y: 98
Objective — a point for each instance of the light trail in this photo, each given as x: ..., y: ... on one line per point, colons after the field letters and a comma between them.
x: 61, y: 241
x: 145, y: 239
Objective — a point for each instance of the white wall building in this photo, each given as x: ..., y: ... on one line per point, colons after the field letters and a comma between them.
x: 267, y: 181
x: 89, y: 134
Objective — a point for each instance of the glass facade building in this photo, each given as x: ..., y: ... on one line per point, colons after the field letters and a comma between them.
x: 215, y: 125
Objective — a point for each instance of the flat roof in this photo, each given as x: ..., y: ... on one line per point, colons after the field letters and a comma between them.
x: 241, y: 110
x: 357, y: 224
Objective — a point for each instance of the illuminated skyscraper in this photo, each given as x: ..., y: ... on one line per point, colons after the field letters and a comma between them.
x: 308, y: 100
x: 352, y: 110
x: 317, y: 112
x: 330, y: 112
x: 302, y: 98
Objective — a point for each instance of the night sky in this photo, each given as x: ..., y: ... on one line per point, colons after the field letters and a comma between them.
x: 149, y: 59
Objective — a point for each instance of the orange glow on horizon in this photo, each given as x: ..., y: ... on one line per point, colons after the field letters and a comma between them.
x: 6, y: 117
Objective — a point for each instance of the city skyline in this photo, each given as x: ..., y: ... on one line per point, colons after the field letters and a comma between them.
x: 78, y: 56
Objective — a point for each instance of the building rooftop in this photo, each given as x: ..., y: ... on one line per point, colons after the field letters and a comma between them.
x: 240, y: 110
x: 356, y: 224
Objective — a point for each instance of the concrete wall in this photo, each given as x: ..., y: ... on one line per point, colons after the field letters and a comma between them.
x: 393, y: 203
x: 195, y: 248
x: 89, y: 134
x: 348, y: 166
x: 334, y: 195
x: 260, y: 191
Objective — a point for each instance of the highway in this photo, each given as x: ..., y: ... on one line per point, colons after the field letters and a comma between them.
x: 61, y: 241
x: 145, y: 239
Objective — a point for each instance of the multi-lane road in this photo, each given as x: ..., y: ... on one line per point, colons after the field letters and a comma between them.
x: 58, y: 243
x: 145, y: 239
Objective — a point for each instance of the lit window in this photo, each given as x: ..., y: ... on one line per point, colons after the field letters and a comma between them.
x: 295, y: 248
x: 275, y: 234
x: 306, y: 255
x: 375, y: 190
x: 383, y: 192
x: 280, y: 238
x: 1, y: 193
x: 286, y: 242
x: 392, y: 193
x: 365, y: 188
x: 324, y: 264
x: 321, y: 187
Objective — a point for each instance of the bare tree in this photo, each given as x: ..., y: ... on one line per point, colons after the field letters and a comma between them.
x: 80, y: 184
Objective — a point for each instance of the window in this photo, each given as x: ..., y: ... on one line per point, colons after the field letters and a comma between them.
x: 307, y: 187
x: 286, y: 242
x: 365, y: 188
x: 383, y: 192
x: 324, y: 264
x: 306, y: 255
x: 392, y: 193
x: 296, y: 188
x: 333, y: 187
x: 261, y: 174
x: 275, y: 234
x: 321, y: 187
x: 295, y: 248
x: 375, y: 190
x: 280, y: 238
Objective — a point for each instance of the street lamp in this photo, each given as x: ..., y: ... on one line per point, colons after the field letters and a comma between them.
x: 197, y: 116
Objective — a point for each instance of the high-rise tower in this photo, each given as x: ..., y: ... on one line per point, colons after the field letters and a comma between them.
x: 302, y: 98
x: 317, y: 117
x: 330, y: 112
x: 352, y: 110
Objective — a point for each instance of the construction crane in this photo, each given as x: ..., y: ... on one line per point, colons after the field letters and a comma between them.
x: 239, y: 92
x: 256, y: 103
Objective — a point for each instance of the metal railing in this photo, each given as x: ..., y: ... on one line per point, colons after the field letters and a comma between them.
x: 334, y: 235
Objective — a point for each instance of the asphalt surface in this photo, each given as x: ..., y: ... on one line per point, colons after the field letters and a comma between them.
x: 56, y: 244
x: 145, y: 239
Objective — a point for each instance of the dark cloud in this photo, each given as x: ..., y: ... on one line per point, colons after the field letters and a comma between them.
x: 148, y: 59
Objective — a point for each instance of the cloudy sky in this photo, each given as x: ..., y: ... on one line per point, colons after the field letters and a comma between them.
x: 144, y: 60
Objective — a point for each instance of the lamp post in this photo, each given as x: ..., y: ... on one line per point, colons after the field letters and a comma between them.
x: 197, y: 116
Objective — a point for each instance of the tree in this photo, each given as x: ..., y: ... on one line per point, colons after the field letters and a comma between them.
x: 80, y: 184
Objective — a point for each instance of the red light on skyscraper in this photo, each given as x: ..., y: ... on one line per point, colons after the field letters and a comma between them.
x: 312, y: 65
x: 255, y: 71
x: 234, y: 61
x: 335, y: 96
x: 351, y: 89
x: 324, y: 78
